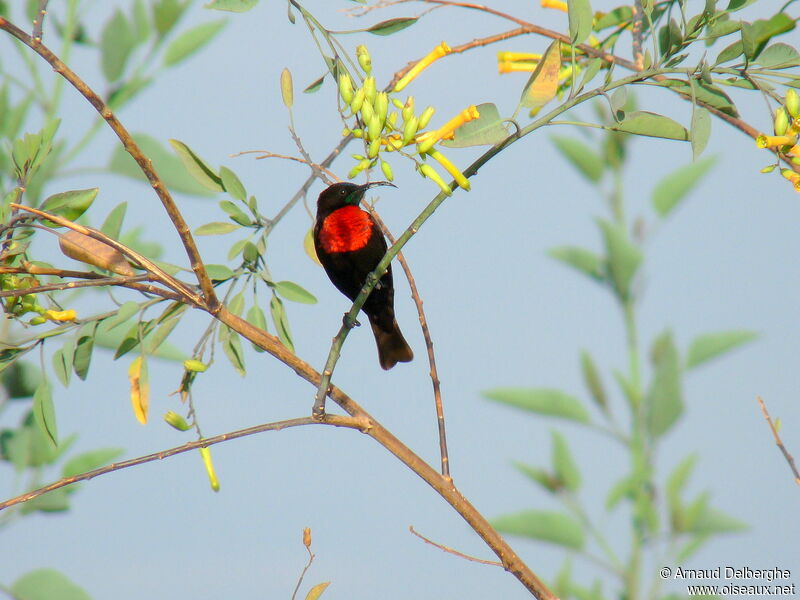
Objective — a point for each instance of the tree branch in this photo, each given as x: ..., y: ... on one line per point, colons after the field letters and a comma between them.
x: 778, y: 442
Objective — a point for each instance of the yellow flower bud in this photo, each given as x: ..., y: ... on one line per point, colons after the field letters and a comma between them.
x: 195, y: 366
x: 370, y: 90
x: 364, y: 58
x: 367, y: 110
x: 307, y: 537
x: 176, y: 421
x: 37, y: 320
x: 392, y: 119
x: 408, y: 108
x: 61, y: 315
x: 358, y: 133
x: 374, y: 127
x: 358, y: 100
x: 387, y: 170
x: 358, y: 168
x: 410, y: 129
x: 346, y: 88
x: 382, y: 106
x: 555, y: 4
x: 212, y: 475
x: 374, y: 147
x: 793, y: 102
x: 425, y: 117
x: 397, y: 103
x: 429, y: 172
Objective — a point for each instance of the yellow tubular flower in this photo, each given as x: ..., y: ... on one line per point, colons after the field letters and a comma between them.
x: 450, y: 168
x: 448, y: 129
x: 772, y: 141
x: 61, y: 315
x: 516, y: 67
x: 429, y: 172
x: 516, y: 56
x: 555, y: 4
x: 441, y: 50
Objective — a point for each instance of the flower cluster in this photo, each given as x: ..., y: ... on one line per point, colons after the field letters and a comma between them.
x: 20, y: 305
x: 388, y: 124
x: 786, y: 127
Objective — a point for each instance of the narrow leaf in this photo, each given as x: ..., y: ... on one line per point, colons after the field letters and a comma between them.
x: 197, y: 167
x: 580, y: 20
x: 701, y: 130
x: 232, y: 184
x: 116, y: 43
x: 624, y: 257
x: 543, y: 525
x: 392, y: 25
x: 581, y: 259
x: 70, y: 205
x: 663, y: 402
x: 673, y: 188
x: 46, y: 584
x: 191, y: 41
x: 238, y: 6
x: 88, y: 461
x: 315, y: 592
x: 583, y: 158
x: 44, y: 411
x: 216, y: 228
x: 281, y: 321
x: 541, y: 476
x: 314, y: 85
x: 554, y: 403
x: 294, y: 292
x: 564, y: 464
x: 652, y: 125
x: 543, y: 83
x: 712, y: 345
x: 592, y: 380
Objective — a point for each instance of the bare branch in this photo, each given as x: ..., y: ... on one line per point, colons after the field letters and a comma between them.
x: 778, y: 442
x: 451, y: 551
x: 336, y: 421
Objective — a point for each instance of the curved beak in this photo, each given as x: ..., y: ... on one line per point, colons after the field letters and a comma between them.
x: 372, y: 184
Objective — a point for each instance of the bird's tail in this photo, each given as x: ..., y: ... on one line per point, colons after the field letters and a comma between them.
x: 392, y: 346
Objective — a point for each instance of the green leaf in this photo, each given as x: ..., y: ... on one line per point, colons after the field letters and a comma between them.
x: 580, y: 20
x: 219, y: 272
x: 232, y: 184
x: 112, y: 226
x: 255, y: 316
x: 652, y: 125
x: 701, y: 130
x: 730, y: 52
x: 581, y: 259
x: 392, y: 25
x: 624, y: 257
x: 141, y: 21
x: 88, y: 461
x: 779, y: 56
x: 538, y: 475
x: 663, y: 402
x: 62, y: 366
x: 238, y: 6
x: 83, y: 350
x: 314, y: 85
x: 197, y: 167
x: 487, y: 129
x: 191, y: 41
x: 294, y: 292
x: 51, y: 502
x: 21, y: 379
x: 712, y: 345
x: 592, y: 380
x: 70, y: 205
x: 236, y: 214
x: 583, y: 158
x: 622, y: 489
x: 125, y: 312
x: 543, y: 525
x: 166, y: 14
x: 564, y: 465
x: 44, y: 411
x: 169, y: 167
x: 232, y: 347
x: 123, y: 341
x: 216, y: 228
x: 714, y: 521
x: 673, y: 188
x: 554, y: 403
x: 756, y: 35
x: 236, y: 305
x: 281, y: 321
x: 676, y: 483
x: 46, y: 584
x: 618, y: 16
x: 116, y: 43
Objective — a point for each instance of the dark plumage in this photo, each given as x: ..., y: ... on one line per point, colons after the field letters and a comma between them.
x: 350, y: 245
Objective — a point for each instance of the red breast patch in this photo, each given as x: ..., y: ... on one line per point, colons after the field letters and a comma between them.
x: 346, y: 229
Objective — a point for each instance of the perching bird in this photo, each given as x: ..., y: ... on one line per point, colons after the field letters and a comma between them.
x: 350, y: 245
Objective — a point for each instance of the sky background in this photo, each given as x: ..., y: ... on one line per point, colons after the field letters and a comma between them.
x: 500, y: 311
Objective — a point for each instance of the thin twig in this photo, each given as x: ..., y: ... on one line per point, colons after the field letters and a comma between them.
x: 38, y: 21
x: 335, y: 420
x: 451, y: 551
x: 71, y: 285
x: 262, y: 154
x: 145, y: 164
x: 423, y: 322
x: 303, y: 574
x: 778, y: 442
x: 156, y: 272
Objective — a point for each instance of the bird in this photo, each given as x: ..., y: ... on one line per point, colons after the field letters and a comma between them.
x: 349, y: 244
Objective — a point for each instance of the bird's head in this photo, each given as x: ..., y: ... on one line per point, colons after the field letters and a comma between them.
x: 344, y: 194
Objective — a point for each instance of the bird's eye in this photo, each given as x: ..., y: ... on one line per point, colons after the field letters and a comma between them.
x: 343, y: 192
